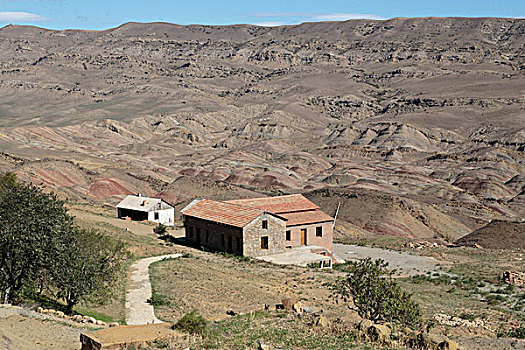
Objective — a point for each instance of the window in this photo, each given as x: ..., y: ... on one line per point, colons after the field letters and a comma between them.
x: 319, y: 231
x: 265, y: 224
x: 288, y: 235
x: 156, y: 216
x: 264, y: 242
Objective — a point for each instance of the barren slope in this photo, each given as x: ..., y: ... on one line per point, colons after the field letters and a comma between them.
x: 416, y: 125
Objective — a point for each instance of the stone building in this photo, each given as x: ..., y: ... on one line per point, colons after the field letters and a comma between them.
x: 259, y: 226
x: 141, y: 208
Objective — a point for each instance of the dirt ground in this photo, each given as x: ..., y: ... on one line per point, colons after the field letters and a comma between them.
x: 27, y: 330
x: 403, y: 262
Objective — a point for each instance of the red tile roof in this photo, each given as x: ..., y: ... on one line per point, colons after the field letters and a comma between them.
x: 306, y: 217
x: 225, y: 213
x: 278, y: 205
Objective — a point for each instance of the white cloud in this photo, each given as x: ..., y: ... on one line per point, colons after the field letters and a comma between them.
x: 269, y: 24
x: 20, y: 17
x: 345, y: 17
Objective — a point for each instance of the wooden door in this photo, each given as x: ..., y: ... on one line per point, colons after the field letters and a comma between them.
x: 303, y: 236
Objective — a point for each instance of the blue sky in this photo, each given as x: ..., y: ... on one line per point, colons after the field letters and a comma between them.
x: 103, y: 14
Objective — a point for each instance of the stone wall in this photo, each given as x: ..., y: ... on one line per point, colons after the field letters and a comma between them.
x: 254, y: 231
x: 214, y: 235
x: 326, y: 240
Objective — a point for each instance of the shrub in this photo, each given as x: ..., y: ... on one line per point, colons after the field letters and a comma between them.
x: 377, y: 296
x: 160, y: 229
x: 158, y: 300
x: 192, y: 323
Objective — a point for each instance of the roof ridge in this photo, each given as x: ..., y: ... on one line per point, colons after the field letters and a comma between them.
x: 265, y: 198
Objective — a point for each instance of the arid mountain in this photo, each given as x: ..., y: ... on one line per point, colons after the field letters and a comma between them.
x: 417, y: 126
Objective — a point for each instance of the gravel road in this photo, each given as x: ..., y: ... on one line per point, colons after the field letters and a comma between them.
x: 406, y: 263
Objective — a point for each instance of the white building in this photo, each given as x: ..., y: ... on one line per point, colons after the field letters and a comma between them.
x: 140, y: 208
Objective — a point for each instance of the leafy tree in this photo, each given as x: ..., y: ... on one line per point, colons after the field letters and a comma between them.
x: 160, y: 229
x: 41, y: 247
x: 376, y: 295
x: 87, y: 268
x: 32, y: 225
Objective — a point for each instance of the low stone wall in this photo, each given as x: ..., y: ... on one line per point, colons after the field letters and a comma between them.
x: 76, y: 318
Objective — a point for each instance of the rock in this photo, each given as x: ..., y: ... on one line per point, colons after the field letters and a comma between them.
x: 231, y: 313
x: 91, y: 320
x: 60, y: 314
x: 45, y: 311
x: 100, y: 323
x: 322, y: 321
x: 432, y: 341
x: 52, y: 311
x: 364, y: 325
x: 39, y: 309
x: 379, y: 333
x: 449, y: 345
x: 297, y: 307
x: 288, y: 303
x: 308, y: 310
x: 114, y: 324
x: 77, y: 318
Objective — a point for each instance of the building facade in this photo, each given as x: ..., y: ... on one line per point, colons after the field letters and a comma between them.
x: 258, y: 227
x: 142, y: 208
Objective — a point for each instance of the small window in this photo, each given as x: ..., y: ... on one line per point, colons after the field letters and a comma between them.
x: 264, y: 242
x: 156, y: 216
x: 288, y: 235
x: 319, y: 231
x: 265, y: 224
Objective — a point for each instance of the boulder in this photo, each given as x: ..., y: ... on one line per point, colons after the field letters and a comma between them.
x: 288, y: 303
x: 322, y: 321
x: 39, y: 309
x: 114, y: 324
x: 297, y: 307
x: 448, y: 345
x: 60, y: 314
x: 100, y: 323
x: 379, y: 333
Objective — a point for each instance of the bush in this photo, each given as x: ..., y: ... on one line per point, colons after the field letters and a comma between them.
x: 160, y: 229
x: 159, y: 300
x: 192, y: 323
x: 377, y: 296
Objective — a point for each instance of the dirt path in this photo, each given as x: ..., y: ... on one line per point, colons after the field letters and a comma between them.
x: 138, y: 310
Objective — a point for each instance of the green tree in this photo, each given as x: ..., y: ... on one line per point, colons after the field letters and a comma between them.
x: 32, y: 225
x: 86, y: 269
x: 376, y: 295
x: 42, y: 248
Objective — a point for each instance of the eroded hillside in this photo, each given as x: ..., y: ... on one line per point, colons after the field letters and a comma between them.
x: 417, y: 126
